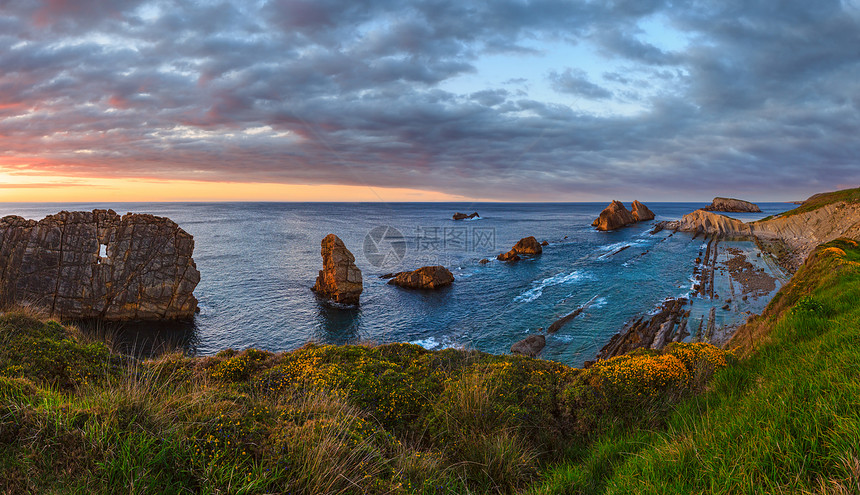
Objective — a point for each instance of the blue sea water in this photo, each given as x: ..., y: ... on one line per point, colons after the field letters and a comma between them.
x: 258, y: 260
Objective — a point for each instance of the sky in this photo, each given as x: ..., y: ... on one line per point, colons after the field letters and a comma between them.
x: 428, y: 100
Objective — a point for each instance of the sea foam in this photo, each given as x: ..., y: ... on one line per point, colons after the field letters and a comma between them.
x: 538, y: 286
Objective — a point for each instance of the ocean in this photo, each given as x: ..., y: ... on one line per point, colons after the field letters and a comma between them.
x: 258, y: 261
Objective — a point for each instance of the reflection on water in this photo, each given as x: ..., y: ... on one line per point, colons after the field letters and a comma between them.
x: 144, y: 338
x: 337, y: 324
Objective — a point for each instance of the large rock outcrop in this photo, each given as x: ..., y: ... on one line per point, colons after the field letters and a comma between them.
x: 463, y: 216
x: 527, y: 246
x: 96, y: 264
x: 616, y: 216
x: 732, y: 205
x: 427, y: 277
x: 705, y: 222
x: 641, y: 213
x: 340, y: 279
x: 529, y: 346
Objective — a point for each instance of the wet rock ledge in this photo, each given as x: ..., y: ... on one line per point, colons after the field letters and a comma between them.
x: 83, y: 265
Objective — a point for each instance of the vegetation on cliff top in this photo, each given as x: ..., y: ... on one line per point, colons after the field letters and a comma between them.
x: 75, y: 417
x: 322, y: 419
x: 819, y: 200
x: 784, y: 419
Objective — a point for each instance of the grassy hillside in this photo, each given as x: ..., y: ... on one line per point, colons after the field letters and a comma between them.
x: 784, y: 418
x: 818, y: 200
x: 75, y: 418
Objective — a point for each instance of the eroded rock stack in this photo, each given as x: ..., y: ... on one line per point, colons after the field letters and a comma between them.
x: 641, y: 213
x: 427, y: 277
x: 463, y: 216
x: 616, y: 216
x: 99, y: 265
x: 339, y: 280
x: 732, y: 205
x: 527, y: 246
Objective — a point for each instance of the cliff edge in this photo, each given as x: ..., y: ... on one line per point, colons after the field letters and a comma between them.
x: 99, y: 265
x: 820, y: 219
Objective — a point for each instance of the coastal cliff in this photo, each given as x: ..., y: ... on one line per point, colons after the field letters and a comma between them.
x: 99, y: 265
x: 820, y: 219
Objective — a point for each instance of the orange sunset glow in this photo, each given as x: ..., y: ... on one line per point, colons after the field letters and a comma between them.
x: 14, y: 189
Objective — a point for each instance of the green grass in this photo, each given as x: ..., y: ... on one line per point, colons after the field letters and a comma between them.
x: 784, y: 420
x: 75, y: 418
x: 781, y: 414
x: 819, y: 200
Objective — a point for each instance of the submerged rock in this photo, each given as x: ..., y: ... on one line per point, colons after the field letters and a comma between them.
x: 463, y: 216
x: 616, y: 216
x: 339, y: 280
x: 732, y: 205
x: 529, y: 346
x: 527, y: 246
x: 99, y: 265
x: 427, y: 277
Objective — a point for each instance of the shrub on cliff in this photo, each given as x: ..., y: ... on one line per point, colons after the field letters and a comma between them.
x: 321, y: 419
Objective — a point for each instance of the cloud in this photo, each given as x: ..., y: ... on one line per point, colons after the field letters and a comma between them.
x: 575, y: 82
x: 761, y: 100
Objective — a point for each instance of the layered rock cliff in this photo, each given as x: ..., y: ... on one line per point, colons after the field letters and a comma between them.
x: 99, y: 265
x: 732, y: 205
x: 800, y: 232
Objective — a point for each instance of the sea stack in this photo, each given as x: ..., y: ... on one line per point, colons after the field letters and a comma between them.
x: 641, y: 213
x: 463, y: 216
x: 732, y: 205
x: 427, y: 278
x: 98, y: 265
x: 616, y: 216
x: 527, y: 246
x: 340, y: 279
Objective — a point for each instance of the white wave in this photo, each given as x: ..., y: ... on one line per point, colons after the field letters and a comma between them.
x: 598, y: 303
x: 537, y: 287
x: 472, y: 219
x: 429, y: 343
x: 434, y: 344
x: 615, y: 246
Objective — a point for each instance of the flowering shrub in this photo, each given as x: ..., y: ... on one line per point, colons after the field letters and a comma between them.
x: 640, y: 385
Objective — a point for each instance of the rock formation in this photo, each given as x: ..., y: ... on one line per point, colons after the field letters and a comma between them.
x: 732, y: 205
x: 99, y: 265
x: 427, y: 277
x: 340, y: 279
x: 668, y: 325
x: 706, y: 222
x: 641, y: 213
x: 527, y: 246
x: 529, y: 346
x: 616, y: 216
x: 800, y: 232
x: 463, y: 216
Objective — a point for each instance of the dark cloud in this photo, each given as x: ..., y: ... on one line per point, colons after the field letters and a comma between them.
x: 761, y: 100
